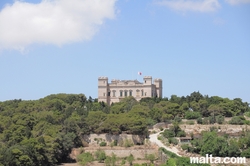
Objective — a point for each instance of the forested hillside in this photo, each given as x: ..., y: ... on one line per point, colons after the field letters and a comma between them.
x: 43, y: 132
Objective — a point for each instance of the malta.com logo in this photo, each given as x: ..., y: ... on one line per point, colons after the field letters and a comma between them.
x: 209, y: 159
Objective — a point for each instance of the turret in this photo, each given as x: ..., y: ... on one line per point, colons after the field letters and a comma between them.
x: 102, y: 89
x: 158, y: 86
x: 147, y: 80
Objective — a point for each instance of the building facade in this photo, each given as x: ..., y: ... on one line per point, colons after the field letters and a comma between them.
x: 118, y: 89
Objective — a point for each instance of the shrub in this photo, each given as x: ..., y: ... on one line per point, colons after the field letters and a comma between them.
x: 219, y: 119
x: 237, y: 120
x: 103, y: 144
x: 100, y: 156
x: 85, y: 158
x: 205, y: 121
x: 128, y: 143
x: 184, y: 146
x: 168, y: 133
x: 173, y: 141
x: 181, y: 134
x: 247, y: 122
x: 130, y: 159
x: 150, y: 157
x: 213, y: 128
x: 247, y: 114
x: 199, y: 120
x: 177, y: 119
x: 191, y: 122
x: 192, y: 115
x: 211, y: 119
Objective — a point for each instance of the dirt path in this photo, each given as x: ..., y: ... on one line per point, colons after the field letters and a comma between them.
x: 154, y: 139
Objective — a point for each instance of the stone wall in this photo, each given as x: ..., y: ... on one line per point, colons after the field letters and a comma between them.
x: 95, y: 139
x: 136, y: 151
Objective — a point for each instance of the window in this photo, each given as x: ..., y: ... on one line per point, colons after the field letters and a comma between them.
x: 114, y: 93
x: 108, y: 93
x: 130, y: 93
x: 104, y: 94
x: 125, y: 93
x: 137, y: 93
x: 145, y: 93
x: 141, y: 92
x: 121, y: 93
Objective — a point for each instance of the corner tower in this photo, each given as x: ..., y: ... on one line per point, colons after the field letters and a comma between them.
x: 103, y: 89
x: 158, y: 86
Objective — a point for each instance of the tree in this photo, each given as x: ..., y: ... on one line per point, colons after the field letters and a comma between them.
x: 213, y: 144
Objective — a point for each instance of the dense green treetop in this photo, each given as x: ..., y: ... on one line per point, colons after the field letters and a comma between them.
x: 43, y: 132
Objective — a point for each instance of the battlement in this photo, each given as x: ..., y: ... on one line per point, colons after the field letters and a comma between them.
x: 157, y: 79
x: 103, y: 78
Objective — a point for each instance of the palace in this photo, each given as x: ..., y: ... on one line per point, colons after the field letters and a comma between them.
x: 119, y: 89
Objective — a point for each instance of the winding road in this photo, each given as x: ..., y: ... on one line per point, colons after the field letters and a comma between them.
x: 154, y: 139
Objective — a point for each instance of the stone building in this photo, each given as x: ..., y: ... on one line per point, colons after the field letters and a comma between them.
x: 119, y: 89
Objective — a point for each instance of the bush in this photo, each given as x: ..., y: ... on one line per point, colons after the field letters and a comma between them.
x: 213, y: 128
x: 205, y: 121
x: 177, y: 119
x: 100, y: 156
x: 184, y: 146
x: 130, y: 159
x: 199, y: 120
x: 173, y: 141
x: 168, y: 133
x: 128, y: 143
x: 245, y: 153
x: 237, y: 120
x: 246, y: 122
x: 192, y: 115
x: 247, y: 114
x: 85, y: 158
x: 151, y: 158
x: 168, y: 153
x: 219, y: 119
x: 103, y: 144
x: 181, y: 134
x: 211, y: 119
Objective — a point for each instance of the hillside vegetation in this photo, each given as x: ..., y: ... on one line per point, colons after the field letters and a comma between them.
x: 43, y: 132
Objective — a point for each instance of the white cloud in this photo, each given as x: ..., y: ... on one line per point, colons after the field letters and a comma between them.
x: 191, y: 5
x: 235, y: 2
x: 52, y: 21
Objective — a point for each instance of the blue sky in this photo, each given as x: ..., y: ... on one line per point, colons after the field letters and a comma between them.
x: 61, y: 46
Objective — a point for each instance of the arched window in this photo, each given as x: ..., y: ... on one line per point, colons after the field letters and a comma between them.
x: 121, y: 93
x: 130, y: 93
x: 142, y: 92
x: 137, y: 93
x: 125, y: 93
x: 113, y: 93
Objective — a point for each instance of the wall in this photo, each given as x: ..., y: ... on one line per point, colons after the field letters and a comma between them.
x: 90, y: 139
x: 137, y: 152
